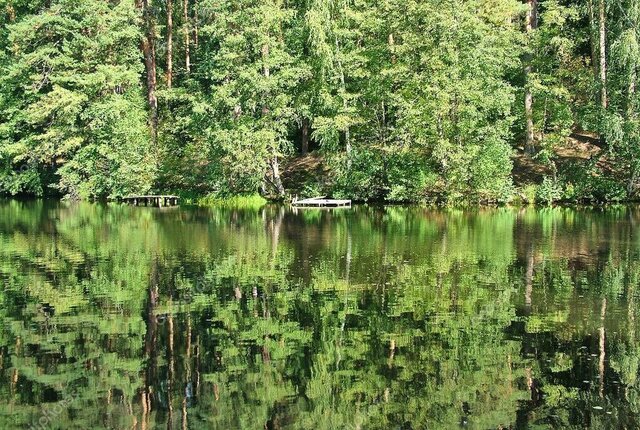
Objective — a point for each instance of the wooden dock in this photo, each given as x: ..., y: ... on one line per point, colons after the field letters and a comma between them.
x: 157, y: 201
x: 320, y: 202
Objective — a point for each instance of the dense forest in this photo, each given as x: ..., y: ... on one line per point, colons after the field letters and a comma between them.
x: 389, y: 100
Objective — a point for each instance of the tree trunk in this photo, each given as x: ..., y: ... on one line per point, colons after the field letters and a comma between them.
x: 187, y: 54
x: 631, y: 115
x: 603, y: 54
x: 631, y: 93
x: 343, y: 85
x: 305, y: 136
x: 275, y: 164
x: 531, y: 24
x: 149, y: 53
x: 592, y: 39
x: 195, y: 24
x: 169, y: 43
x: 277, y: 179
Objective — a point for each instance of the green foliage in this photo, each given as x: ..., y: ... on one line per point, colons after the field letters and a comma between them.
x: 72, y: 104
x: 585, y: 182
x: 549, y: 191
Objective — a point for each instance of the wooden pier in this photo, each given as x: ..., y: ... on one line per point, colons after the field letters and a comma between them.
x: 320, y: 202
x: 157, y: 201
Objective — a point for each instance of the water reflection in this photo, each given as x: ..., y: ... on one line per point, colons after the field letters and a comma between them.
x: 120, y: 317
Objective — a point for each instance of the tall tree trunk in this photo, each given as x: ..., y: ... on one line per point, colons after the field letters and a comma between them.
x: 631, y: 95
x: 631, y: 115
x: 187, y: 42
x: 305, y: 136
x: 531, y: 24
x: 169, y: 43
x: 149, y: 53
x: 275, y: 164
x: 603, y: 54
x: 345, y: 105
x: 592, y: 39
x: 195, y: 24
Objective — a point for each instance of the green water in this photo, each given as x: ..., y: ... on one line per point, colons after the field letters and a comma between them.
x: 371, y: 318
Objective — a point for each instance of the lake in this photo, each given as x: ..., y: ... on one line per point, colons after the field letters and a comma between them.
x: 371, y: 318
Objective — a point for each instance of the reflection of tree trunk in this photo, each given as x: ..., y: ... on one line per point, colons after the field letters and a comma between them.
x: 15, y: 373
x: 601, y: 343
x: 171, y: 374
x: 14, y: 381
x: 529, y: 279
x: 150, y: 345
x: 392, y: 352
x: 276, y: 226
x: 187, y: 366
x: 348, y: 255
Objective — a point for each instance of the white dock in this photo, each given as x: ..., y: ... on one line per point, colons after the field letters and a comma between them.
x: 321, y: 202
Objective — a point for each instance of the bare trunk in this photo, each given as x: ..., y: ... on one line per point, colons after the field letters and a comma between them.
x: 603, y: 54
x: 187, y: 54
x: 277, y: 180
x: 305, y: 136
x: 149, y: 53
x: 169, y: 43
x: 531, y: 24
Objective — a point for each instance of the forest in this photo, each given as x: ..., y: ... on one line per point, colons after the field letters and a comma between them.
x: 454, y: 101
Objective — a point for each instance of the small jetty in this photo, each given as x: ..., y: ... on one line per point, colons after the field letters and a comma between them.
x: 157, y: 201
x: 320, y: 202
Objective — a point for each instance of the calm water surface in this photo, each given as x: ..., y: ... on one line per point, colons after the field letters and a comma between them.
x: 373, y: 318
